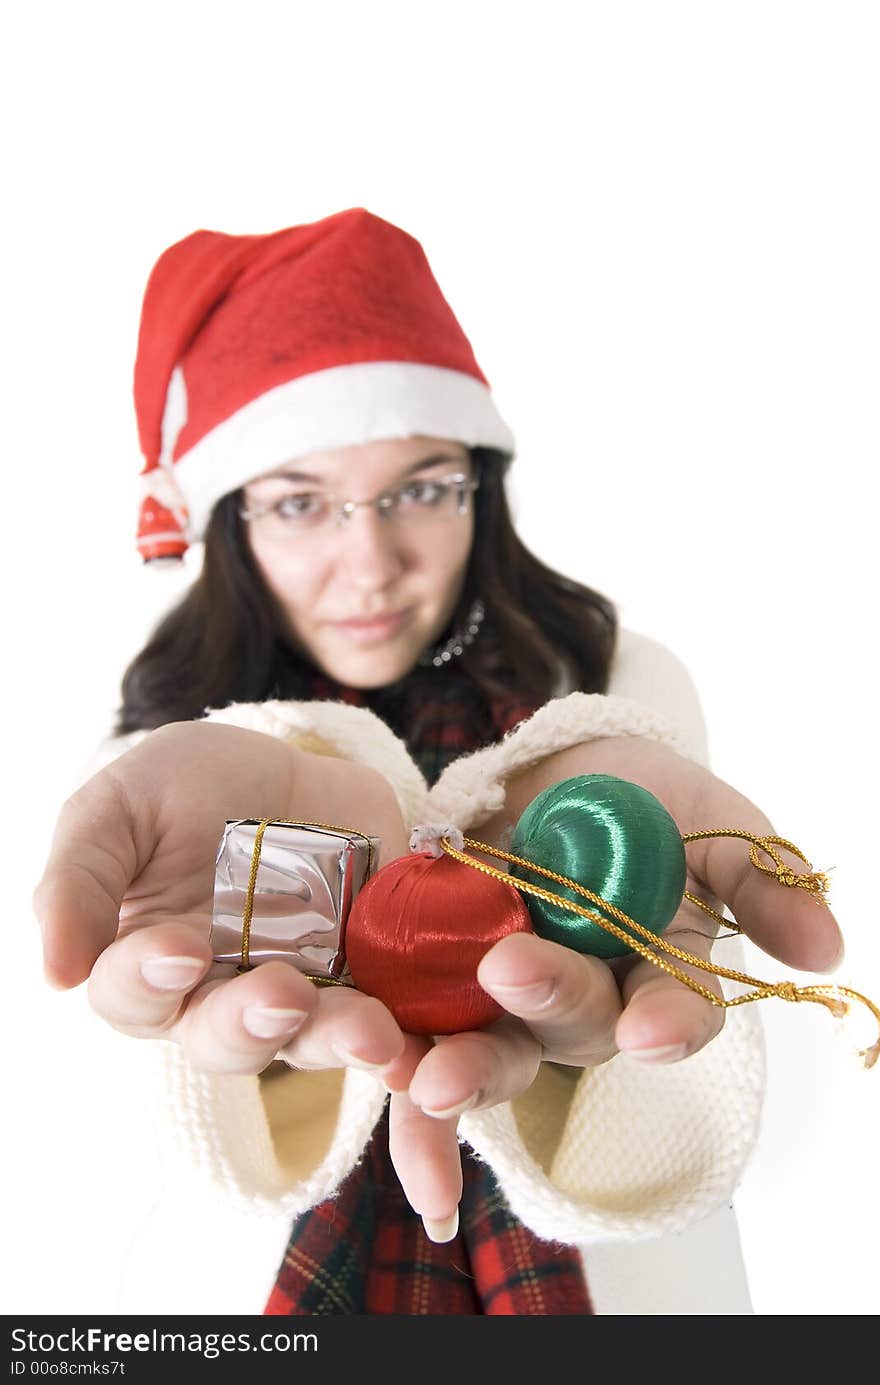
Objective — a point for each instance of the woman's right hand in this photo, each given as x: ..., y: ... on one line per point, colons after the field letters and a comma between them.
x: 126, y: 896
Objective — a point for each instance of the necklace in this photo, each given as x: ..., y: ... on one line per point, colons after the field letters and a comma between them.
x: 443, y: 653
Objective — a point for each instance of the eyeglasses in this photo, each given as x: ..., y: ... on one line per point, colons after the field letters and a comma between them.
x: 414, y: 503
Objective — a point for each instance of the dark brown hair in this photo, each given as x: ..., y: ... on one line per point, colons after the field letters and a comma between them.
x: 224, y: 642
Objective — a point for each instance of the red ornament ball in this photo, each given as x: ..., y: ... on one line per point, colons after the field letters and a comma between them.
x: 415, y: 937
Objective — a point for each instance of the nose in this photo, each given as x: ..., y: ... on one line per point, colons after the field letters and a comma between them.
x: 369, y: 550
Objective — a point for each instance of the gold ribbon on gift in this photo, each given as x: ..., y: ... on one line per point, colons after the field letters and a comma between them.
x: 833, y: 997
x: 262, y: 824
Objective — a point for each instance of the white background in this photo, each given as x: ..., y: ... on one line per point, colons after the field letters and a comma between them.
x: 659, y: 225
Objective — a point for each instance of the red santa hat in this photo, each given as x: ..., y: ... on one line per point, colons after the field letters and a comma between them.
x: 255, y: 350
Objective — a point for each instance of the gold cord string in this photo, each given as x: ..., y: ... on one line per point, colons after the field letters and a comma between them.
x: 262, y: 824
x: 815, y: 882
x: 249, y: 897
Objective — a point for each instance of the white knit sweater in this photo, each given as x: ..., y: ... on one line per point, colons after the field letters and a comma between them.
x: 619, y: 1153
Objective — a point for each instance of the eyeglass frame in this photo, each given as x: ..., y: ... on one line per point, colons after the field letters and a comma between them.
x: 467, y: 485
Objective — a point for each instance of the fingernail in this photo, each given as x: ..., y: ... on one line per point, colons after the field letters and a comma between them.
x: 669, y: 1053
x: 172, y: 973
x: 447, y: 1111
x: 533, y: 997
x: 441, y: 1231
x: 265, y: 1022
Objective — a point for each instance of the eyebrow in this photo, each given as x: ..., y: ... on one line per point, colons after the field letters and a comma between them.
x: 421, y: 465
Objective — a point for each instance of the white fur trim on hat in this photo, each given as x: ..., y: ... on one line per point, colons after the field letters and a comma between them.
x: 337, y: 407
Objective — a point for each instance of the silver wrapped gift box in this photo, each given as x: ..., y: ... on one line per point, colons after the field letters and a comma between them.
x: 307, y: 879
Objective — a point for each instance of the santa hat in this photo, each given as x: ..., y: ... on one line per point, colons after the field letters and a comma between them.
x: 255, y: 350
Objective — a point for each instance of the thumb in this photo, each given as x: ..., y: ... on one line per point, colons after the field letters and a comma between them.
x: 92, y: 861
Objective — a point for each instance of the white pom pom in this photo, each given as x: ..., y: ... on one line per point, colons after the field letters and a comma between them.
x: 426, y: 838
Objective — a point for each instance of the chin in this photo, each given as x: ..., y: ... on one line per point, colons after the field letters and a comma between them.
x: 377, y: 669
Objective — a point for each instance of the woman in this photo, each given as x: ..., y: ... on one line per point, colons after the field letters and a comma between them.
x: 368, y: 629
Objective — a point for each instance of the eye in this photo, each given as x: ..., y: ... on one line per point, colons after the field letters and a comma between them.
x: 300, y: 507
x: 421, y: 493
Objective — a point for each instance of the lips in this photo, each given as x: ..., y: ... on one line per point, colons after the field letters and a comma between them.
x: 373, y: 628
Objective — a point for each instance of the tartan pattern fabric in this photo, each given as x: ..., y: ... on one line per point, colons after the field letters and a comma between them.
x: 365, y: 1251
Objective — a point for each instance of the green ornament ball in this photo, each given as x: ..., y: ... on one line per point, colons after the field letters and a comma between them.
x: 611, y: 836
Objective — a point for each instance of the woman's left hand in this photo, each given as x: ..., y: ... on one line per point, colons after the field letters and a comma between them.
x: 564, y: 1007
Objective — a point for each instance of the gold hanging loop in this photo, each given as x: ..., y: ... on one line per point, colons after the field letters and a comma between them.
x: 815, y: 882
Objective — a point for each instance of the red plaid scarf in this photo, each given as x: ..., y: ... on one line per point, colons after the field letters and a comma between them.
x: 365, y: 1250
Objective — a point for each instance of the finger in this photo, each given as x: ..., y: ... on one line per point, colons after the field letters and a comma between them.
x: 151, y: 984
x: 476, y: 1069
x: 92, y: 861
x: 427, y: 1160
x: 240, y: 1023
x: 788, y: 922
x: 346, y: 1029
x: 399, y: 1074
x: 570, y: 1002
x: 418, y: 1172
x: 140, y: 983
x: 663, y: 1020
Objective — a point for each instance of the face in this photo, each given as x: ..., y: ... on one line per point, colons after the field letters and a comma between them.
x: 365, y: 597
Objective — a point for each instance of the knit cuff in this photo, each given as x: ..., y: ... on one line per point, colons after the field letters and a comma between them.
x: 473, y: 788
x: 321, y: 728
x: 335, y: 728
x: 216, y: 1128
x: 644, y: 1149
